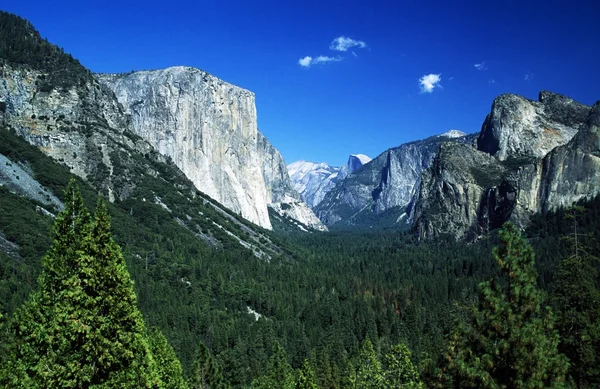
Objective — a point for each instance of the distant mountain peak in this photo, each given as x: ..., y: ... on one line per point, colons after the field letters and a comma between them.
x: 362, y: 158
x: 453, y: 134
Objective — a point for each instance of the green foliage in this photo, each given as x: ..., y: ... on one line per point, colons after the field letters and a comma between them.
x: 321, y: 298
x: 369, y: 374
x: 576, y: 300
x: 400, y: 372
x: 22, y: 45
x: 207, y: 373
x: 510, y: 341
x: 306, y: 377
x: 82, y: 327
x: 279, y: 373
x: 169, y: 367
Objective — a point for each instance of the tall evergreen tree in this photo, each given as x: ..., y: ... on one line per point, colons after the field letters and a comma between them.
x: 82, y: 327
x: 279, y: 373
x: 576, y: 300
x: 510, y: 341
x: 370, y: 372
x: 306, y: 377
x: 399, y: 369
x: 169, y: 367
x: 207, y: 373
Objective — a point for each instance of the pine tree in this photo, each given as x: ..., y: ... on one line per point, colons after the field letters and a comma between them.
x: 207, y: 373
x: 576, y: 299
x: 82, y: 327
x: 399, y: 370
x: 169, y: 367
x: 370, y: 373
x: 279, y: 373
x: 509, y: 342
x: 306, y: 377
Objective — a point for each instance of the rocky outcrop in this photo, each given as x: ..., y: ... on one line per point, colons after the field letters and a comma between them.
x: 468, y: 192
x: 314, y: 180
x: 454, y: 193
x: 519, y: 127
x: 206, y: 126
x: 281, y: 196
x: 383, y: 192
x: 82, y: 126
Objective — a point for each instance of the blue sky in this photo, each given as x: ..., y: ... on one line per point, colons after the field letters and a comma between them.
x: 362, y: 100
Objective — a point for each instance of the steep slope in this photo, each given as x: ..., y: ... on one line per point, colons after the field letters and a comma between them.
x: 78, y: 122
x: 314, y: 180
x: 518, y: 127
x: 381, y: 193
x: 281, y: 196
x: 208, y: 127
x: 532, y: 157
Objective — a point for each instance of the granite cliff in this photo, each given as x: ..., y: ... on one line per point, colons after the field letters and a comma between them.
x: 313, y: 180
x: 53, y: 102
x: 382, y: 192
x: 530, y: 157
x: 208, y: 128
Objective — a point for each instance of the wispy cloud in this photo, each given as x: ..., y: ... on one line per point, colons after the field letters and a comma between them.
x: 321, y: 59
x: 343, y: 43
x: 492, y: 81
x: 429, y: 82
x: 480, y: 66
x: 528, y: 76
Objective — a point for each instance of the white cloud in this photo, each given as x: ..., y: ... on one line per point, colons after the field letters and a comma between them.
x: 528, y: 76
x: 343, y: 43
x: 429, y: 82
x: 321, y: 59
x: 325, y: 59
x: 305, y: 61
x: 480, y: 66
x: 492, y: 81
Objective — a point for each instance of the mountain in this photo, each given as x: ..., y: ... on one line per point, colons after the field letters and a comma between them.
x: 208, y: 128
x: 314, y: 180
x: 530, y: 157
x: 49, y: 99
x: 383, y: 192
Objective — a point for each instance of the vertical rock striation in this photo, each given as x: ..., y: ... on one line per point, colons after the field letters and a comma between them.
x: 531, y: 157
x: 206, y: 126
x: 383, y: 192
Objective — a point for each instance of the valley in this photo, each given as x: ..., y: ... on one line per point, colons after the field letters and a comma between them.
x: 396, y: 271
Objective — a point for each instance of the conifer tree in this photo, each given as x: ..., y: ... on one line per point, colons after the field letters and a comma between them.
x: 81, y: 328
x: 399, y: 370
x: 370, y: 372
x: 207, y: 374
x: 306, y: 377
x: 576, y: 300
x: 169, y: 367
x: 510, y: 341
x: 279, y: 373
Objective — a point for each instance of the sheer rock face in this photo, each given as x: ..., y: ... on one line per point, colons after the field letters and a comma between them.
x: 208, y: 128
x: 389, y: 184
x: 314, y: 180
x: 519, y: 127
x: 281, y: 196
x: 467, y: 192
x: 454, y: 197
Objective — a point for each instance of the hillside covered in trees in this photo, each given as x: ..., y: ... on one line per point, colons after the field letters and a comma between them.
x: 132, y: 296
x: 337, y: 300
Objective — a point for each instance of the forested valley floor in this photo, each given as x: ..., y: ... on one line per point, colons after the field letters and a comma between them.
x: 334, y: 310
